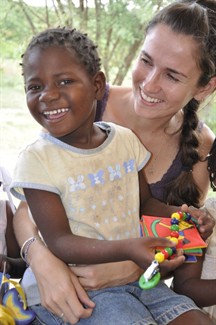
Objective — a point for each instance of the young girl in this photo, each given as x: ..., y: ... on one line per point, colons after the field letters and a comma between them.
x: 81, y: 181
x: 9, y: 248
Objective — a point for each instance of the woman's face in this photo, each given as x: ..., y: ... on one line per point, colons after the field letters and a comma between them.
x: 166, y: 73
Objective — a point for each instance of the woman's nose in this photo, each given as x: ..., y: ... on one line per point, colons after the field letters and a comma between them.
x: 152, y: 82
x: 49, y: 94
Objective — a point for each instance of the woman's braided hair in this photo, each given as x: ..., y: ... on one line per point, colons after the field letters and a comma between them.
x: 196, y: 19
x: 72, y: 40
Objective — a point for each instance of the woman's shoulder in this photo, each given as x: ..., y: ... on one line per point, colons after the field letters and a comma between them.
x: 118, y: 95
x: 207, y: 137
x: 119, y: 104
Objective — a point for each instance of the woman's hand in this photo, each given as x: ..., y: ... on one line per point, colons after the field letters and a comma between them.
x: 59, y: 288
x: 94, y: 277
x: 205, y: 221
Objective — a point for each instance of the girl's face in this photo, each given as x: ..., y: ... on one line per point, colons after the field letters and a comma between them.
x: 166, y: 73
x: 60, y: 94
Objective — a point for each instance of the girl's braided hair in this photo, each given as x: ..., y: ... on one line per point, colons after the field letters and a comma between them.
x: 72, y: 40
x: 196, y: 19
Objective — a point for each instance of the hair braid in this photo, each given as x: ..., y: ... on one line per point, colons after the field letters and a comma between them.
x: 183, y: 188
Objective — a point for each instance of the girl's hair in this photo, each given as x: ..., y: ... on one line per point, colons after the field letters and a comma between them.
x: 212, y: 165
x: 71, y: 39
x: 198, y: 20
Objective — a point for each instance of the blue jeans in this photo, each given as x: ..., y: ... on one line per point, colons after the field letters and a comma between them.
x: 128, y: 305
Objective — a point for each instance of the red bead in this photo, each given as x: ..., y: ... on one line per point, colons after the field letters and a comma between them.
x: 165, y: 253
x: 174, y: 234
x: 180, y: 214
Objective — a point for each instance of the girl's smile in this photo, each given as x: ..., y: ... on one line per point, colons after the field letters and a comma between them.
x: 60, y: 93
x: 56, y: 113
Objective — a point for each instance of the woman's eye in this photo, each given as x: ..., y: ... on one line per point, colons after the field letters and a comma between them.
x: 171, y: 77
x: 146, y: 61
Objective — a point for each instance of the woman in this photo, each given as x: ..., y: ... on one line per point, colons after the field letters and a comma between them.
x: 173, y: 74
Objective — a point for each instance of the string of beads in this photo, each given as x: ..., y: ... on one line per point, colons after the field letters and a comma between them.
x: 151, y: 276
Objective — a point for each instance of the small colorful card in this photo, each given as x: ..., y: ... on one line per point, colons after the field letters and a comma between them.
x: 190, y: 240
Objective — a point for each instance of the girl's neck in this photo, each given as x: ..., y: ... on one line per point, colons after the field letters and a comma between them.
x: 90, y: 140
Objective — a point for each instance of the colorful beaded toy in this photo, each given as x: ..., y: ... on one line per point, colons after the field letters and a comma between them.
x: 151, y: 276
x: 13, y: 308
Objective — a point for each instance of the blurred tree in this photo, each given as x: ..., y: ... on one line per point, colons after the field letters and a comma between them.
x: 117, y: 27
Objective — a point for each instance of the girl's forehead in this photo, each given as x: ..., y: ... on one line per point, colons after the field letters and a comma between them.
x: 50, y: 56
x: 51, y: 50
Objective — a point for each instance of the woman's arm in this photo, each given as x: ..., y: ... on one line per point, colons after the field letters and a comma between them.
x: 187, y: 278
x: 98, y: 276
x: 200, y: 171
x: 187, y: 282
x: 67, y: 295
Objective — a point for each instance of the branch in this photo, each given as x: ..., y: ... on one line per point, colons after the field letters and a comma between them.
x: 27, y: 16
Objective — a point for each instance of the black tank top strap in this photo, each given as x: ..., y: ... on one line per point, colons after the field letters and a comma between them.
x: 101, y: 105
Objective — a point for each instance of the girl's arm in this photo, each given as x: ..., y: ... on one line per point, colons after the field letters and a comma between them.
x: 53, y: 224
x: 67, y: 295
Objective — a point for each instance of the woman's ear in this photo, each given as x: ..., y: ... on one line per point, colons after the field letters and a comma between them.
x: 203, y: 92
x: 100, y: 85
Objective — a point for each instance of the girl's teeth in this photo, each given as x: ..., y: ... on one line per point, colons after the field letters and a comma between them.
x: 56, y: 111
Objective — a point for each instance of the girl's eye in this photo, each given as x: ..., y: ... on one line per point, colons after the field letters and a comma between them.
x: 33, y: 87
x: 65, y: 82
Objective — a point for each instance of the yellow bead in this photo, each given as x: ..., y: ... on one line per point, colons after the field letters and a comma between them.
x: 159, y: 257
x: 176, y: 215
x: 174, y: 240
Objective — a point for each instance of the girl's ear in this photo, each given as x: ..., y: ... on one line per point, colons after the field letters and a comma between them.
x: 203, y: 92
x: 100, y: 85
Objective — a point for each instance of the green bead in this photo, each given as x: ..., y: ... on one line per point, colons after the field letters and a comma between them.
x: 174, y: 227
x: 184, y: 215
x: 169, y: 251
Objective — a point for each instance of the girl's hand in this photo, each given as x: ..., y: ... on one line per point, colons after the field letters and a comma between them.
x: 205, y: 221
x: 142, y: 252
x: 59, y: 288
x: 94, y: 277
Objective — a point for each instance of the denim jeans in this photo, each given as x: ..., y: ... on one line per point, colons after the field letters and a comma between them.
x: 128, y: 305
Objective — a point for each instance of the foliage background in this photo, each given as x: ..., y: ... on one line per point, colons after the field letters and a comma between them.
x: 117, y: 27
